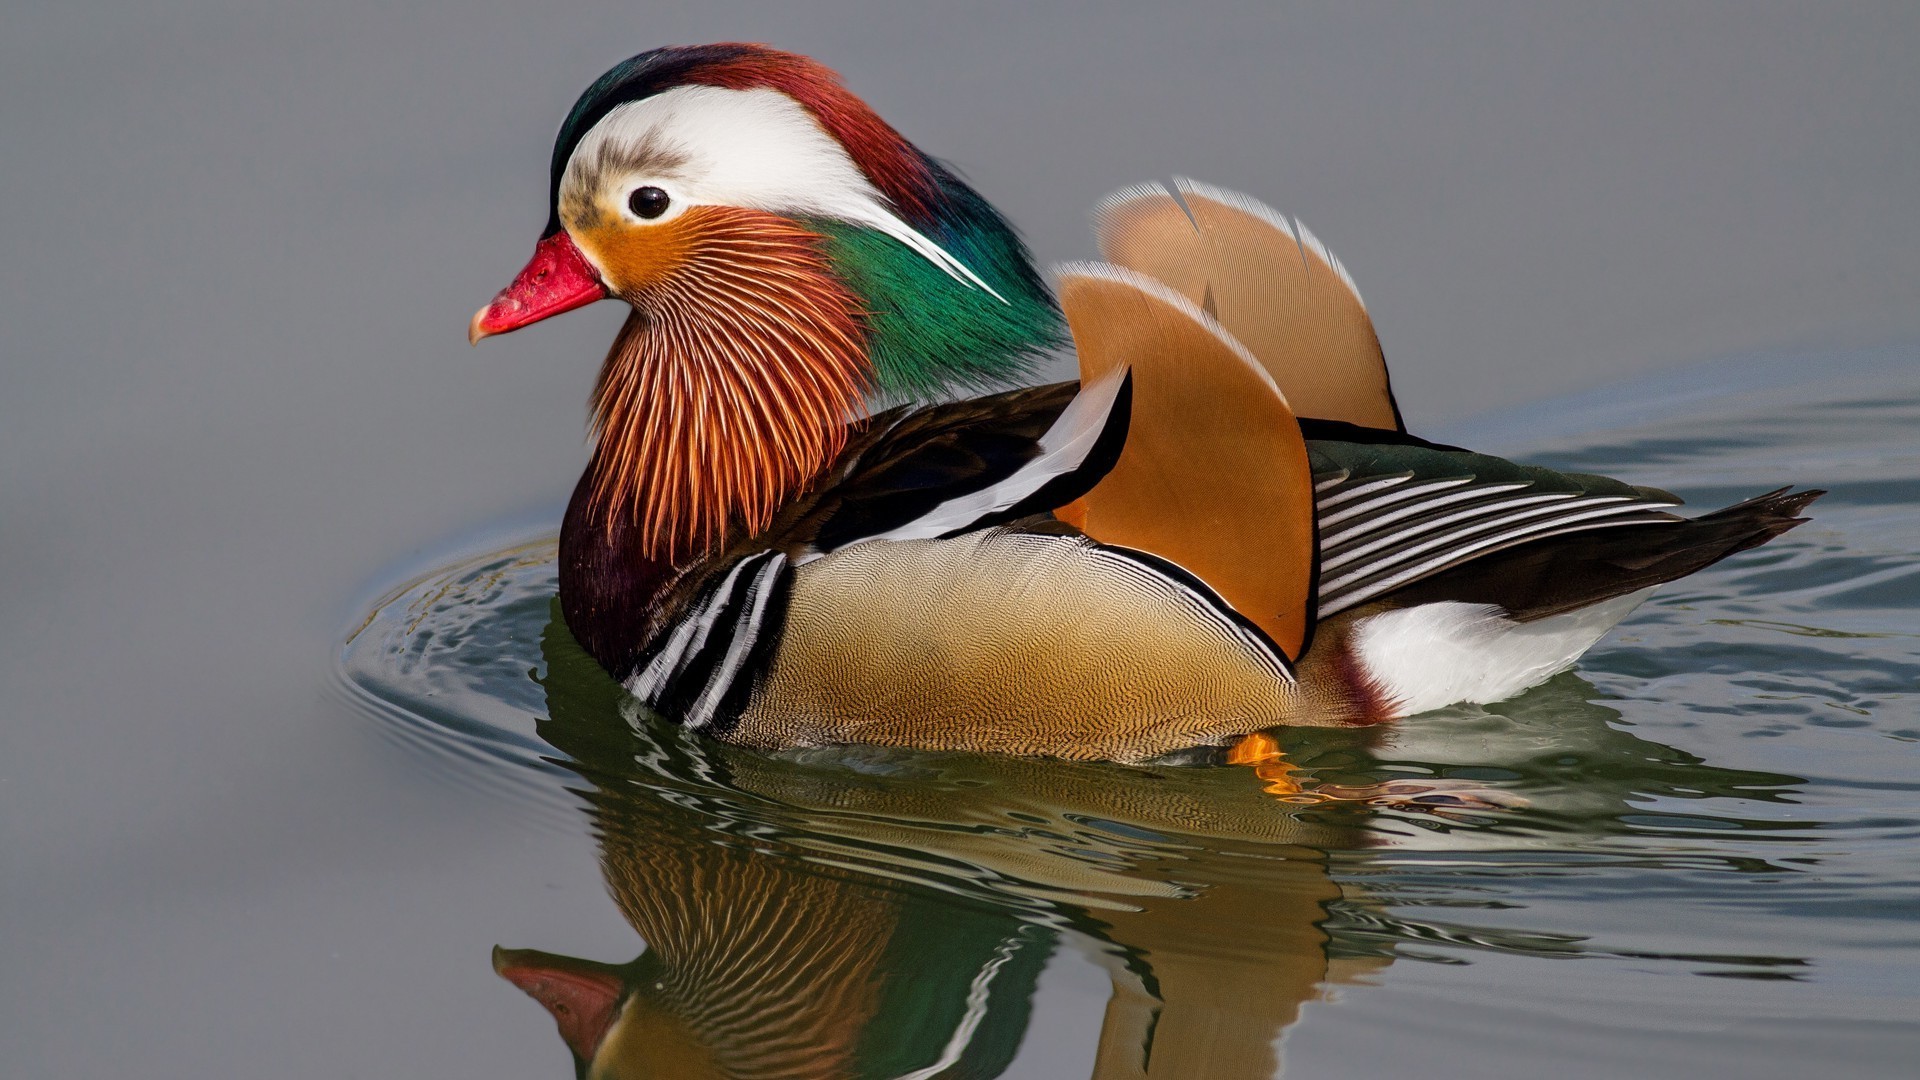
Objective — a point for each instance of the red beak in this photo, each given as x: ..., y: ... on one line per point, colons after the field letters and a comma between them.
x: 557, y: 278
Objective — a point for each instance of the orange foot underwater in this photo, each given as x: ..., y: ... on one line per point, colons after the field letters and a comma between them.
x: 1223, y: 526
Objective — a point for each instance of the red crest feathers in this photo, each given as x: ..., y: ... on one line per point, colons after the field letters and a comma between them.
x: 893, y: 164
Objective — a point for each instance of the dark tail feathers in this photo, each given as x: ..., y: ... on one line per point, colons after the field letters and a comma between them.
x: 1565, y: 573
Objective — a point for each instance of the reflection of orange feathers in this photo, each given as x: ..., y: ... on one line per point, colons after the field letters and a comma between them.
x: 1272, y: 285
x: 733, y: 390
x: 1214, y: 476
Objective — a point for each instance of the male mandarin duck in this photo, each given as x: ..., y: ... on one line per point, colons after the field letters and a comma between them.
x: 1223, y: 527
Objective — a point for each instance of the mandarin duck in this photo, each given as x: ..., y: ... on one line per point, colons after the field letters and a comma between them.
x: 1222, y: 527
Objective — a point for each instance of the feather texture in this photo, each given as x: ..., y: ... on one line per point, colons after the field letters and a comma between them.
x: 1432, y: 655
x: 732, y: 390
x: 1098, y: 413
x: 926, y: 334
x: 1214, y: 475
x: 1546, y: 577
x: 904, y: 464
x: 1272, y: 284
x: 900, y: 171
x: 1119, y: 572
x: 948, y: 295
x: 1398, y: 510
x: 1013, y: 642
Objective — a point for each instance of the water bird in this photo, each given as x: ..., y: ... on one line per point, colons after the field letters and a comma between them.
x: 1222, y: 527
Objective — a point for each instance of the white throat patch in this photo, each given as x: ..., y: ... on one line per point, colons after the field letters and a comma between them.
x: 758, y: 149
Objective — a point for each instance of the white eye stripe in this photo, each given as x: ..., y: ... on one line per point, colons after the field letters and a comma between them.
x: 759, y: 149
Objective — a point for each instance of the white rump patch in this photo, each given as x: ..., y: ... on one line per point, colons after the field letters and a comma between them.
x: 1435, y: 655
x: 760, y: 149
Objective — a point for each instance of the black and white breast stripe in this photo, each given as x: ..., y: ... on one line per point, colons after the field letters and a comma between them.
x: 702, y: 673
x: 1381, y: 532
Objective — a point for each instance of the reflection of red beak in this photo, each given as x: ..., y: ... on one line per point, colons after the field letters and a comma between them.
x: 556, y: 279
x: 584, y: 997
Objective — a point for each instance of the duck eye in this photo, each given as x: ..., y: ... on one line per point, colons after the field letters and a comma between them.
x: 647, y: 202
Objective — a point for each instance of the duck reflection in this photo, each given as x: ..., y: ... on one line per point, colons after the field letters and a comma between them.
x: 888, y: 915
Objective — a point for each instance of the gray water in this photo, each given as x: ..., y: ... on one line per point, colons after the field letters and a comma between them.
x: 242, y: 246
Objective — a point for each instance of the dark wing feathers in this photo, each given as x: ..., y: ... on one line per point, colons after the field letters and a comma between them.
x: 1393, y: 453
x: 1398, y: 519
x: 1394, y: 513
x: 912, y: 465
x: 702, y: 670
x: 1554, y: 576
x: 902, y: 463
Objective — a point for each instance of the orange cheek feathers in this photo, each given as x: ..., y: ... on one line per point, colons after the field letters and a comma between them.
x: 635, y: 259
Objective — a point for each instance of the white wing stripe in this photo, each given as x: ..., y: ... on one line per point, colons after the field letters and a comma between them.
x: 1533, y: 533
x: 688, y: 639
x: 649, y: 681
x: 1403, y: 494
x: 1476, y: 518
x: 1063, y: 449
x: 1523, y: 520
x: 1361, y: 489
x: 1456, y: 554
x: 1347, y: 540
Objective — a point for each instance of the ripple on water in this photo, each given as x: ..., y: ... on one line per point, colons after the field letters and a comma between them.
x: 1725, y: 787
x: 444, y: 664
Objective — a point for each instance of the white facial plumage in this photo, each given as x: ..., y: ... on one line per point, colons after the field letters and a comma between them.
x: 758, y: 149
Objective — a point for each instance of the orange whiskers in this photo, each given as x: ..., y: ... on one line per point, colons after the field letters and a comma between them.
x: 730, y: 386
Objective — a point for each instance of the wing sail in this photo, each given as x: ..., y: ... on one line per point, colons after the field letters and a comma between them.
x: 1214, y: 475
x: 1272, y: 284
x: 937, y: 470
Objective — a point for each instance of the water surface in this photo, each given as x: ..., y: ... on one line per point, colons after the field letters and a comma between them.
x: 239, y: 407
x: 1692, y: 856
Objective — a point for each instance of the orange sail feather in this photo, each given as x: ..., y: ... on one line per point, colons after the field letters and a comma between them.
x: 1214, y: 476
x: 1272, y: 285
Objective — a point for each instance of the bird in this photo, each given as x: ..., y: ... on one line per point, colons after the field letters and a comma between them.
x: 822, y: 507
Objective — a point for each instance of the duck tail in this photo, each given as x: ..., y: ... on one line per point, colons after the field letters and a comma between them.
x: 1759, y: 519
x: 1565, y: 573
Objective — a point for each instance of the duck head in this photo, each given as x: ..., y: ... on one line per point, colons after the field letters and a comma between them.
x: 786, y: 252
